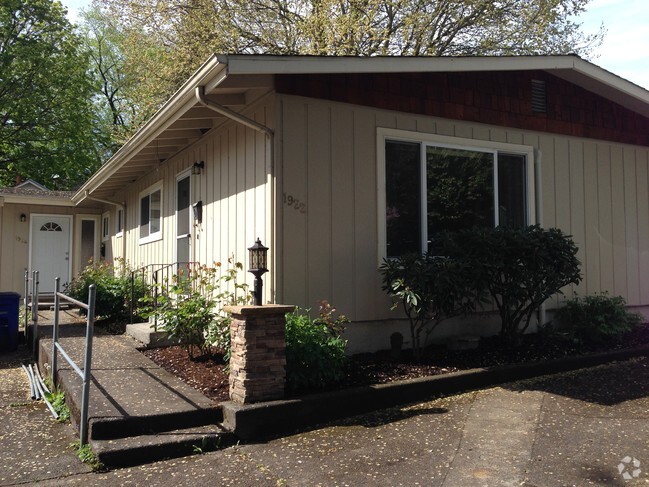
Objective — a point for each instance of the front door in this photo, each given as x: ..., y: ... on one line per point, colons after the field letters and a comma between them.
x: 50, y: 249
x: 183, y: 219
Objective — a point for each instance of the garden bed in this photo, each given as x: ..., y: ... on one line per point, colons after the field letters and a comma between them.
x: 208, y: 373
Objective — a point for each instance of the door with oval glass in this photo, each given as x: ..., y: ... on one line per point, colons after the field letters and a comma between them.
x: 49, y: 252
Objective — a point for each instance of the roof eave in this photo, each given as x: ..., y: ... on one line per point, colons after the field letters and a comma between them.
x: 177, y: 105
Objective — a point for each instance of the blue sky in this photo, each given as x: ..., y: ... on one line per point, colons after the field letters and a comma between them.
x: 625, y: 50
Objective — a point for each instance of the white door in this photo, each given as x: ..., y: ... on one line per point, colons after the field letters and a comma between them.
x: 50, y: 250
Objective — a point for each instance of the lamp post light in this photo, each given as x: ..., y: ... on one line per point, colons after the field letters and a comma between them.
x: 258, y: 266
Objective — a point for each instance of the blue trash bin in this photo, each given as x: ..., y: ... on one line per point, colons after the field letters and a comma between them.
x: 9, y: 304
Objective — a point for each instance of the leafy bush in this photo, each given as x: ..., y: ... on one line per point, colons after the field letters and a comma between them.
x: 113, y: 289
x: 597, y: 319
x: 519, y: 268
x: 430, y: 289
x: 315, y: 351
x: 190, y: 307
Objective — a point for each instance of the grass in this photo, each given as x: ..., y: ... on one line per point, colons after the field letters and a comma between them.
x: 87, y: 456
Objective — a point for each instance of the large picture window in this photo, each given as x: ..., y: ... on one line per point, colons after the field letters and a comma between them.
x: 151, y: 215
x: 434, y: 186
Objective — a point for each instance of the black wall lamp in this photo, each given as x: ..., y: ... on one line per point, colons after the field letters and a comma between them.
x: 197, y: 167
x: 258, y: 266
x: 23, y: 217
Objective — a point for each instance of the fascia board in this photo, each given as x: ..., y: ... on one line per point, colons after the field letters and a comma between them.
x: 31, y: 200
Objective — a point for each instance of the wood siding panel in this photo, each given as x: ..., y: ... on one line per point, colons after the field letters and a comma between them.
x: 329, y: 155
x: 605, y: 227
x: 631, y: 227
x: 591, y: 266
x: 318, y: 201
x: 642, y: 192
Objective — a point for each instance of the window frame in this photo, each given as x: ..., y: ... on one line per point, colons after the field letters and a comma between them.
x: 119, y: 222
x: 150, y: 237
x: 105, y: 226
x: 424, y: 140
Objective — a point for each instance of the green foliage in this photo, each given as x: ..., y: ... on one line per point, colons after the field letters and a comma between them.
x: 190, y: 306
x: 597, y: 319
x: 315, y: 351
x: 430, y: 289
x: 113, y: 289
x: 87, y: 456
x: 519, y: 268
x: 57, y: 400
x: 48, y: 128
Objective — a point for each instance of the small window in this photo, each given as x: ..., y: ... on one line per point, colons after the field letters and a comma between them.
x: 151, y: 215
x: 119, y: 222
x: 105, y: 227
x: 51, y: 227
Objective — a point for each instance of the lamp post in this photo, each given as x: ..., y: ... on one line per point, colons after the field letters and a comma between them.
x: 258, y: 267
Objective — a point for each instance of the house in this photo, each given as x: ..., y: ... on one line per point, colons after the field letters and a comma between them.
x: 44, y: 230
x: 330, y: 161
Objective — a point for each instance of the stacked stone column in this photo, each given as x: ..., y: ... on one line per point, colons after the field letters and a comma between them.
x: 258, y: 355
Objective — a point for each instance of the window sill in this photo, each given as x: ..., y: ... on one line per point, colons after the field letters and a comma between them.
x: 151, y: 238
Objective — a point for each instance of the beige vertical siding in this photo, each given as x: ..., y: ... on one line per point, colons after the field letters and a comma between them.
x: 14, y: 240
x: 233, y: 191
x: 595, y: 191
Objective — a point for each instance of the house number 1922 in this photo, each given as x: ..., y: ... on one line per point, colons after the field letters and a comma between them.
x: 294, y: 203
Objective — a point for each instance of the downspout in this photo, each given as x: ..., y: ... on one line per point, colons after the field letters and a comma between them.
x: 270, y: 135
x: 86, y: 196
x: 538, y: 193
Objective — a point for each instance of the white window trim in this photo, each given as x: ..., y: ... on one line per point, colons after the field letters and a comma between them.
x: 179, y: 176
x: 152, y: 237
x: 105, y: 229
x: 119, y: 232
x: 424, y: 139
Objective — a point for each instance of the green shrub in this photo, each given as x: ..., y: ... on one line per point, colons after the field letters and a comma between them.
x: 315, y: 351
x: 519, y: 268
x: 430, y: 289
x: 597, y: 319
x: 190, y: 307
x: 113, y: 289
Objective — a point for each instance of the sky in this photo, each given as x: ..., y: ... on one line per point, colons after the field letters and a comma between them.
x: 625, y: 51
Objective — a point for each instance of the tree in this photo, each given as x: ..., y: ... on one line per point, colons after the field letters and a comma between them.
x: 48, y: 129
x: 103, y: 41
x: 166, y: 40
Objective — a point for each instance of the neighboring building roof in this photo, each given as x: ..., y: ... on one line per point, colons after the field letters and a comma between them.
x: 234, y: 81
x: 30, y: 194
x: 31, y: 184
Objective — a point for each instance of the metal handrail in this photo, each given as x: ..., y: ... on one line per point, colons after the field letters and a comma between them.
x: 85, y: 374
x: 154, y: 276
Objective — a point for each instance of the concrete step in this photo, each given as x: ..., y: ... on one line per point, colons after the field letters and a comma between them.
x: 146, y: 334
x: 125, y: 427
x: 137, y: 450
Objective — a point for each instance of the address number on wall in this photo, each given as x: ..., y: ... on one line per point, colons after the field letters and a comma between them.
x: 294, y: 203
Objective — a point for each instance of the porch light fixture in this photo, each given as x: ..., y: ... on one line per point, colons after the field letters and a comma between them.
x: 23, y: 217
x: 258, y: 266
x: 197, y: 167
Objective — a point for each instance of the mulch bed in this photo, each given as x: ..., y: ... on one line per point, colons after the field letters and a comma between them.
x: 208, y: 373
